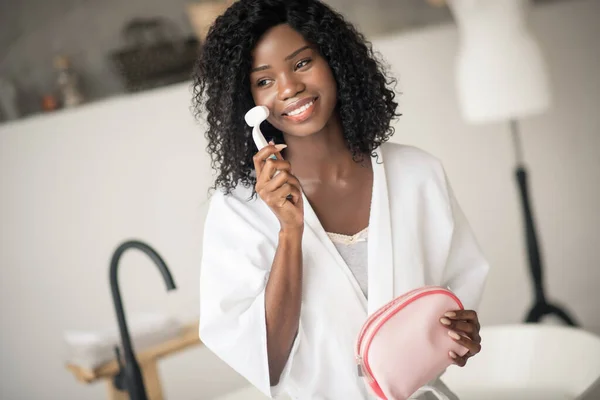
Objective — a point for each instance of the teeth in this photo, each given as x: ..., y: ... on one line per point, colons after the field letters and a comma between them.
x: 300, y: 110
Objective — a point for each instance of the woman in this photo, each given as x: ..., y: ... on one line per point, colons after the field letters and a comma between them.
x: 293, y: 262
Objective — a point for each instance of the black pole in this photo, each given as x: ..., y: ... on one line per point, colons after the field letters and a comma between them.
x: 540, y: 307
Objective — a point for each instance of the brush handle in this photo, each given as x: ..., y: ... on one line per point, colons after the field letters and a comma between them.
x: 260, y: 140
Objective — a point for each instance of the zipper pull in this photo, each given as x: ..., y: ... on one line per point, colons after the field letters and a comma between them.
x: 359, y: 369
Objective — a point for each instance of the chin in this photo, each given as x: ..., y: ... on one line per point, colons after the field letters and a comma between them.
x: 308, y: 128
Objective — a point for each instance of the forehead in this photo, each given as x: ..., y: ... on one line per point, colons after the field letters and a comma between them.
x: 276, y: 44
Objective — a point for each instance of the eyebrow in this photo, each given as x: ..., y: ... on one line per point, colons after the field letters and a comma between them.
x: 294, y: 54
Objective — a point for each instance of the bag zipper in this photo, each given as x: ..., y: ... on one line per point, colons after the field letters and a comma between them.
x: 368, y: 332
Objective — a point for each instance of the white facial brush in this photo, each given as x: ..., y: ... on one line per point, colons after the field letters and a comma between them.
x: 254, y: 118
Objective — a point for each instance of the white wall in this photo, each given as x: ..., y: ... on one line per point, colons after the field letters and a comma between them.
x: 77, y: 183
x: 561, y: 149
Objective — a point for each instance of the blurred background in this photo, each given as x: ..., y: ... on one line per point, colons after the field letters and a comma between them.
x: 98, y: 146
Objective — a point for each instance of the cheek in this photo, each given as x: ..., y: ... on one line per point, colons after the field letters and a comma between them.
x: 332, y: 83
x: 264, y: 97
x: 325, y: 80
x: 276, y: 122
x: 256, y: 96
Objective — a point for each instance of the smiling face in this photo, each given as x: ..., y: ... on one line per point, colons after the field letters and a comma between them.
x: 294, y: 81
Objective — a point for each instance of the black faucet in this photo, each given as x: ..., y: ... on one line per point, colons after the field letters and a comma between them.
x: 129, y: 377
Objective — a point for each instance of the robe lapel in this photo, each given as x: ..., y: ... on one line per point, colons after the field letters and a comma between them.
x: 380, y: 251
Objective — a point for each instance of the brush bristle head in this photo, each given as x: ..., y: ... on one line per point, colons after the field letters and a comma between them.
x: 256, y: 115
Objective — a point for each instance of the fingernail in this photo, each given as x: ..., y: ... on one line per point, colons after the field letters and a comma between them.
x: 280, y: 146
x: 445, y: 321
x: 450, y: 314
x: 271, y: 142
x: 453, y: 354
x: 454, y: 335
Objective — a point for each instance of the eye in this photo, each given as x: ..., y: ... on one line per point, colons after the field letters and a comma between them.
x: 303, y: 63
x: 262, y: 82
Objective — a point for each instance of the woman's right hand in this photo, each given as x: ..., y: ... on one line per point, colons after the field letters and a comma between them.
x: 281, y: 192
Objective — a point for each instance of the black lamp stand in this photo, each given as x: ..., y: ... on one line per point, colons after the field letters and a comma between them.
x: 541, y: 307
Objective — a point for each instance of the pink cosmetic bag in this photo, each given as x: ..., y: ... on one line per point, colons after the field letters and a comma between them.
x: 402, y: 346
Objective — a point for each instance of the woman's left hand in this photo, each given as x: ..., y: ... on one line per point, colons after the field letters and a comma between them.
x: 463, y: 327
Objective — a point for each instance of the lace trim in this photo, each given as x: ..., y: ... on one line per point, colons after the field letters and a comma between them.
x: 347, y: 239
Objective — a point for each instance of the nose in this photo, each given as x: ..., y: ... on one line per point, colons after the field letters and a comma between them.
x: 289, y: 86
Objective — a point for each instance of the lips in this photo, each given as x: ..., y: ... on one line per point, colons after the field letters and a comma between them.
x: 298, y: 104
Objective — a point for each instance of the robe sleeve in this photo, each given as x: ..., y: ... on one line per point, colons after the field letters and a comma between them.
x: 466, y: 268
x: 236, y: 260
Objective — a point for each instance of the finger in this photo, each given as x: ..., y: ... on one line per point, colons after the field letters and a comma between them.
x: 285, y: 192
x: 268, y: 152
x: 276, y: 196
x: 281, y: 179
x: 263, y: 154
x: 464, y: 315
x: 292, y: 180
x: 296, y: 192
x: 458, y: 360
x: 270, y: 167
x: 462, y: 327
x: 279, y: 147
x: 472, y: 346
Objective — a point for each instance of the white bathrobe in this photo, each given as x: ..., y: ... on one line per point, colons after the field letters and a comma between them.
x: 418, y: 236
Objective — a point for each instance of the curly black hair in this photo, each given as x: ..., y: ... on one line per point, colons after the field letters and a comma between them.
x: 221, y: 84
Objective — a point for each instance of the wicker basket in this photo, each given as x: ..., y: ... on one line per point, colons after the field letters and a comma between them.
x: 155, y: 55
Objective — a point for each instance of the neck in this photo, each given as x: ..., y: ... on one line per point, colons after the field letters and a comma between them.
x: 322, y: 156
